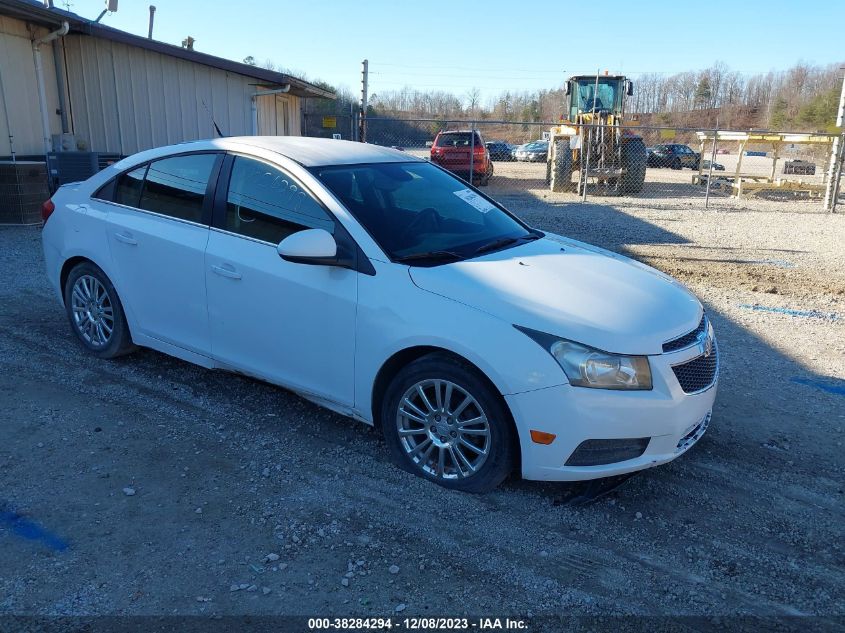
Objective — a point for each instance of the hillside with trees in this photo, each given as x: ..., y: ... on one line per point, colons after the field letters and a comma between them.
x: 804, y: 97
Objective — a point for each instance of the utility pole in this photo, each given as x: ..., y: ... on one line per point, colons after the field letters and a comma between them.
x: 835, y: 170
x: 362, y: 123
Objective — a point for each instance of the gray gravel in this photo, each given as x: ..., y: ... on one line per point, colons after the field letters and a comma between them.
x: 249, y: 500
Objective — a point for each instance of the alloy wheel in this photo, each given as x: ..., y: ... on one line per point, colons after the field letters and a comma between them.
x: 92, y: 310
x: 443, y: 429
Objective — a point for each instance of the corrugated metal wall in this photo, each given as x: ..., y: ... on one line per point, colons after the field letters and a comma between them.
x: 19, y: 91
x: 125, y: 99
x: 276, y: 115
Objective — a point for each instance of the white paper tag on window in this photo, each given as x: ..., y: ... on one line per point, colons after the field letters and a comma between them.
x: 472, y: 198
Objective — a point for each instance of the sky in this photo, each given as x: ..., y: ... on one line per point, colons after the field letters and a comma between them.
x: 495, y: 45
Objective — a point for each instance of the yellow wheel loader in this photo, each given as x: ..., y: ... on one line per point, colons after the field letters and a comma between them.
x: 590, y: 145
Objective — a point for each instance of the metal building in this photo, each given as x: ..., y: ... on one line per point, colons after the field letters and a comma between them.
x: 74, y: 84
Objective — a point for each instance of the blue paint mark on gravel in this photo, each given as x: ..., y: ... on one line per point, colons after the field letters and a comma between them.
x: 814, y: 314
x: 838, y: 390
x: 29, y: 530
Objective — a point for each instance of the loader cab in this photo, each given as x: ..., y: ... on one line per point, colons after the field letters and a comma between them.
x: 585, y: 95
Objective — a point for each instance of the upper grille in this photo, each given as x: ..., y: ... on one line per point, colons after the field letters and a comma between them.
x: 687, y: 339
x: 699, y: 373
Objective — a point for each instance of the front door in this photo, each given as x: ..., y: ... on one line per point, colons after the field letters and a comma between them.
x: 292, y: 324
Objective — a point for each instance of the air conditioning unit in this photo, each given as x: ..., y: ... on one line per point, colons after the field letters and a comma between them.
x: 23, y: 187
x: 65, y: 167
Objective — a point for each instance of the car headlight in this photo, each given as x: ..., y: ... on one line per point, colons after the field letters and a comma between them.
x: 586, y: 366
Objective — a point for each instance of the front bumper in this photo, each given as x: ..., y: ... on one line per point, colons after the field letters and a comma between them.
x: 673, y: 420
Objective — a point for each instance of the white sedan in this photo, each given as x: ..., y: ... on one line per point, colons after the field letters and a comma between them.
x: 385, y: 288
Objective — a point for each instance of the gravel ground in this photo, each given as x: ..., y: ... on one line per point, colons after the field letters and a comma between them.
x: 163, y: 488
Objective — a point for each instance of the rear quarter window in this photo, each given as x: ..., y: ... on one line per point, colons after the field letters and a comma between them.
x: 126, y: 188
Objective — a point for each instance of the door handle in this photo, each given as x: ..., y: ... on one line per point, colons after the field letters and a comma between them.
x: 126, y: 238
x: 226, y: 270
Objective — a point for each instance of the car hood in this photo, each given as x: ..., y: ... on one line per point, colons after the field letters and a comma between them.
x: 572, y: 290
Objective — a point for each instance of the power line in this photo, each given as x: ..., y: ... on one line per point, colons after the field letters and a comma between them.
x: 476, y: 68
x: 475, y: 75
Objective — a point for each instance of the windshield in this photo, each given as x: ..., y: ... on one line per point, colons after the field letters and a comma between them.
x: 586, y: 98
x: 414, y: 209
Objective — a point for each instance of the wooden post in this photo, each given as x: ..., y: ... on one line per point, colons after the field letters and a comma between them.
x: 737, y: 177
x: 775, y: 153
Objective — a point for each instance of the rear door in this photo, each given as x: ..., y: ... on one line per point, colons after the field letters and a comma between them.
x: 158, y: 229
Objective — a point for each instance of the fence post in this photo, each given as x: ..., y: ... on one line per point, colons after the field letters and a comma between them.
x: 586, y: 169
x: 710, y: 171
x: 830, y: 193
x: 834, y: 186
x: 471, y: 151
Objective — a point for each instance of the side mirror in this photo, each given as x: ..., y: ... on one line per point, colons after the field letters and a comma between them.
x: 311, y: 246
x: 629, y: 88
x: 566, y: 89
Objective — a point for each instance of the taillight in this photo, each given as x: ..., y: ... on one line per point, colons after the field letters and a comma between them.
x: 47, y: 209
x: 479, y: 149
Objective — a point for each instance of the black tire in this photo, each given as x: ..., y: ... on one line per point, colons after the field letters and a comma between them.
x: 560, y: 170
x: 634, y: 161
x: 119, y: 341
x: 485, y: 180
x: 500, y: 457
x: 676, y: 164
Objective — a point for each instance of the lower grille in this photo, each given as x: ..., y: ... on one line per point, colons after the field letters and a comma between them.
x: 699, y: 373
x: 600, y: 452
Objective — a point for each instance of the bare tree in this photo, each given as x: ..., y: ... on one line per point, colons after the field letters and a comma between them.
x: 473, y: 97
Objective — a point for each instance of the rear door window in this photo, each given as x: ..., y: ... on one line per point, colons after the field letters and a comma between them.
x: 176, y: 186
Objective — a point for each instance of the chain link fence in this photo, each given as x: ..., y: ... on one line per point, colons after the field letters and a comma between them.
x: 657, y: 166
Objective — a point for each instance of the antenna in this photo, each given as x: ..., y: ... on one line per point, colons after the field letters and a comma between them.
x: 213, y: 122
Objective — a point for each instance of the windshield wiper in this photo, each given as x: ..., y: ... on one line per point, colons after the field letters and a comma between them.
x: 505, y: 241
x: 431, y: 255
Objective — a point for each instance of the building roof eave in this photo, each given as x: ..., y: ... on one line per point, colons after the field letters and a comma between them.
x: 35, y: 12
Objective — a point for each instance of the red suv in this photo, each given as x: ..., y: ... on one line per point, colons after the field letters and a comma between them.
x: 451, y: 150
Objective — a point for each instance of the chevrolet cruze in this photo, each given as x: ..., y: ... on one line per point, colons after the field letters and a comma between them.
x: 385, y: 288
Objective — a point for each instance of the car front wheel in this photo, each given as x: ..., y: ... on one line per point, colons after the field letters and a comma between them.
x: 442, y: 421
x: 95, y: 312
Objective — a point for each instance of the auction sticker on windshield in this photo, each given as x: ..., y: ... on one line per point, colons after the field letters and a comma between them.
x: 472, y: 198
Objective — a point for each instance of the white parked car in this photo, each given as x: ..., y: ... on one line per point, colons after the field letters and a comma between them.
x: 383, y: 287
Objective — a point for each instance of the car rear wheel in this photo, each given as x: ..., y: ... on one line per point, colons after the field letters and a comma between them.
x: 443, y: 422
x: 676, y: 164
x: 95, y: 313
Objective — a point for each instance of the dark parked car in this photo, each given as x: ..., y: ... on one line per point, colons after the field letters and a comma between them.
x: 673, y: 155
x: 533, y: 152
x: 705, y: 165
x: 499, y: 150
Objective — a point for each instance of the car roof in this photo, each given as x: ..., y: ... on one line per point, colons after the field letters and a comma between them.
x: 445, y: 132
x: 309, y: 152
